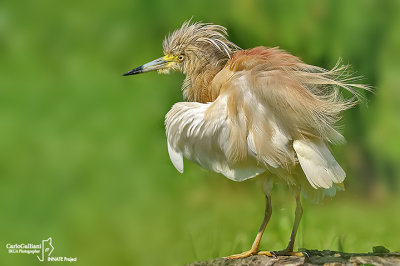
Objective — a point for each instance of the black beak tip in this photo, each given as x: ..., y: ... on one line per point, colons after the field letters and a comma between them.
x: 137, y: 70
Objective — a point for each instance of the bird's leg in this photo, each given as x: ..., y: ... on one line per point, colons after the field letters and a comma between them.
x: 256, y: 243
x: 288, y: 251
x: 298, y: 215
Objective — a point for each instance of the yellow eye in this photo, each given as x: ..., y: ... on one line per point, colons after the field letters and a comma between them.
x: 181, y: 57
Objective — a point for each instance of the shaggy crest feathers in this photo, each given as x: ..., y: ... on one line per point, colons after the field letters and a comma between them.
x: 192, y: 37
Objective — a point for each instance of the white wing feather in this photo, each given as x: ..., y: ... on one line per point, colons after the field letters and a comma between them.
x: 176, y: 158
x: 318, y: 164
x: 204, y: 141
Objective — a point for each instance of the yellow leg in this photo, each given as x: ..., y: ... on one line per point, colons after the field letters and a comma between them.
x: 256, y: 243
x: 288, y: 251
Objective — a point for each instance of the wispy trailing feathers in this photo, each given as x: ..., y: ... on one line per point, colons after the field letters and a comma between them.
x: 305, y: 98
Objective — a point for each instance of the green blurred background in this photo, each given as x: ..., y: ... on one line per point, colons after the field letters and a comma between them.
x: 83, y: 156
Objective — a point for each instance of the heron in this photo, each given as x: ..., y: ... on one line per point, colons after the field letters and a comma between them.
x: 259, y: 113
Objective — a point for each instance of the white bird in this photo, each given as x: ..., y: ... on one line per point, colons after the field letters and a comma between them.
x: 258, y: 113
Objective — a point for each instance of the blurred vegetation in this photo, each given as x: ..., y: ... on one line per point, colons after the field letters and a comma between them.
x: 83, y: 155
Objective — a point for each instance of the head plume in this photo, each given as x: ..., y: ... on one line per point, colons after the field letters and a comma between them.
x: 199, y: 37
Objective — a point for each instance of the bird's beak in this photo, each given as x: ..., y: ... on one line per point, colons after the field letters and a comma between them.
x: 160, y: 63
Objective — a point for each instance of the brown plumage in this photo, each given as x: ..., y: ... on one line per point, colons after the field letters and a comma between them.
x: 258, y: 113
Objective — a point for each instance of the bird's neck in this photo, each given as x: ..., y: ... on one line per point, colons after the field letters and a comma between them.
x: 197, y: 85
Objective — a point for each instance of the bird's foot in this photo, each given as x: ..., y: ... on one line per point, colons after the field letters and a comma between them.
x: 242, y: 255
x: 284, y: 252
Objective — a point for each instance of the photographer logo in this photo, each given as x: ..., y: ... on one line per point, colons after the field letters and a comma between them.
x: 42, y: 250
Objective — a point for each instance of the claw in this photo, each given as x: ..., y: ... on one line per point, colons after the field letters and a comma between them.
x: 275, y: 254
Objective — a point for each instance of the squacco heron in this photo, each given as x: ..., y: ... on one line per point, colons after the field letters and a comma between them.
x: 259, y: 113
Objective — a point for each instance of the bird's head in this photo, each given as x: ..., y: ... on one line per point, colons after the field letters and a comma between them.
x: 192, y: 48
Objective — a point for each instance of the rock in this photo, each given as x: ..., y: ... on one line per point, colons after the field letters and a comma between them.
x: 380, y: 256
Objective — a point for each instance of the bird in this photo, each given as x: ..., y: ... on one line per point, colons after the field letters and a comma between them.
x: 258, y: 113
